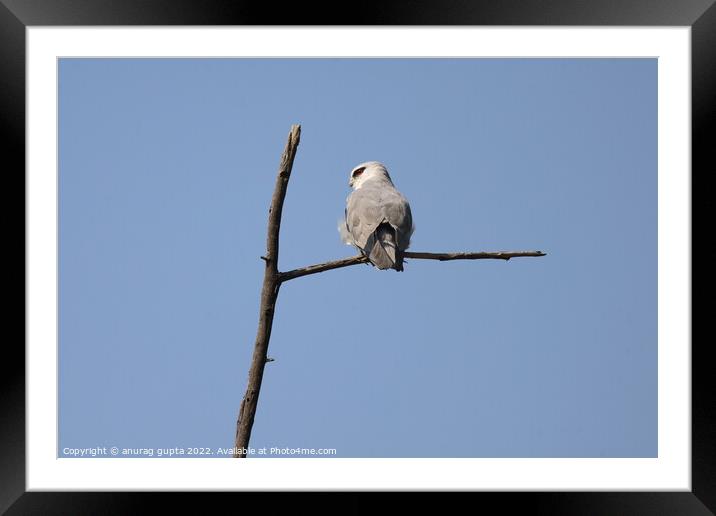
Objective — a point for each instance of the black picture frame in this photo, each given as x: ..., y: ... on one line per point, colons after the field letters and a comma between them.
x: 700, y: 15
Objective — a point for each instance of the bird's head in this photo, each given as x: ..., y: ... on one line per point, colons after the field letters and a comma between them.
x: 368, y: 171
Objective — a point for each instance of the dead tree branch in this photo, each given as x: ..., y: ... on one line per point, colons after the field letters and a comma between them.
x: 269, y: 294
x: 273, y: 279
x: 443, y: 257
x: 322, y: 267
x: 493, y: 255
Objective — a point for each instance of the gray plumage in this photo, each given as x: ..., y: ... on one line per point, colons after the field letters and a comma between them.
x: 378, y: 220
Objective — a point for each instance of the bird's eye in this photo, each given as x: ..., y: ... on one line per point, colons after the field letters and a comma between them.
x: 358, y: 172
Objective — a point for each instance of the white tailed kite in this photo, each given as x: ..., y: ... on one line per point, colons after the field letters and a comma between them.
x: 377, y: 219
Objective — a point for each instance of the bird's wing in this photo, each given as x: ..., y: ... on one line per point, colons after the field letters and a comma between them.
x: 363, y: 214
x: 396, y: 212
x: 368, y: 207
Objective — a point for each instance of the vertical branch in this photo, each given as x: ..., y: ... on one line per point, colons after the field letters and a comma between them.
x: 269, y: 294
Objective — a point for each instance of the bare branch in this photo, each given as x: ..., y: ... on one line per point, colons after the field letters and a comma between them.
x: 322, y: 267
x: 269, y: 294
x: 273, y: 279
x: 443, y: 257
x: 495, y: 255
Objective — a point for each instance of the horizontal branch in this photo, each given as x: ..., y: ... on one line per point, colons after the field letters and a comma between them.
x: 322, y: 267
x: 443, y: 257
x: 495, y: 255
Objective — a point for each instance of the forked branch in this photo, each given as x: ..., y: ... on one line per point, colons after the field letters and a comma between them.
x: 273, y: 280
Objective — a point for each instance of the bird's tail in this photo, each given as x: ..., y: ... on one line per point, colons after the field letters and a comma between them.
x: 385, y: 253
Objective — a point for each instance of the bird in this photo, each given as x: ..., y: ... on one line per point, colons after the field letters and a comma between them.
x: 378, y: 220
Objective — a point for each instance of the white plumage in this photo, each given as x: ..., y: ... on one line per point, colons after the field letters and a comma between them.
x: 378, y: 220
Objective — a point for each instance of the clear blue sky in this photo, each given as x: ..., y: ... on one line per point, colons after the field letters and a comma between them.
x: 166, y: 169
